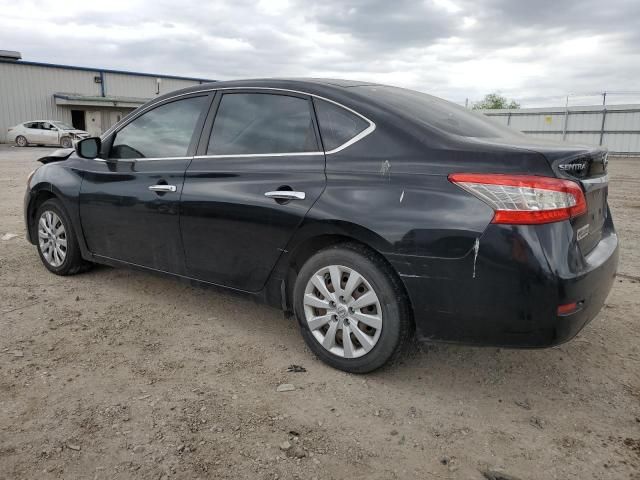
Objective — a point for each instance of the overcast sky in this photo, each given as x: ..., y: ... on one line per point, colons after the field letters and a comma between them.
x: 534, y: 51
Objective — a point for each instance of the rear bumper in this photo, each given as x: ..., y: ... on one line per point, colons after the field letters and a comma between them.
x: 589, y: 288
x: 508, y: 292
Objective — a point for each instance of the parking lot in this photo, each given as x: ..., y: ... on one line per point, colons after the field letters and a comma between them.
x: 117, y: 374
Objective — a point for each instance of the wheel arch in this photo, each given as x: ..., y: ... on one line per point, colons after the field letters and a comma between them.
x: 306, y: 244
x: 39, y: 195
x: 60, y: 179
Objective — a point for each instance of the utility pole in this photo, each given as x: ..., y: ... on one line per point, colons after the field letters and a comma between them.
x: 604, y: 116
x: 566, y: 118
x: 466, y: 102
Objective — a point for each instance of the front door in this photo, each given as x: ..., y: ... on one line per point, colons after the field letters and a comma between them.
x: 250, y: 186
x: 129, y: 201
x: 50, y: 134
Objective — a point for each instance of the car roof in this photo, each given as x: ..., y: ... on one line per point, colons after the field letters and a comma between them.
x: 279, y: 82
x: 337, y: 90
x: 313, y: 86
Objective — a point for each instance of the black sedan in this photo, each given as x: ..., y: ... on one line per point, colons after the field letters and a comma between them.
x: 369, y: 212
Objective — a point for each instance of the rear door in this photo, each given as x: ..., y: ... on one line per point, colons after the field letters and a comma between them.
x: 254, y: 179
x: 34, y: 132
x: 129, y: 201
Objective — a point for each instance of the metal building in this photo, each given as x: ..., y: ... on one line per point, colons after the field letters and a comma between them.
x: 90, y: 99
x: 616, y: 127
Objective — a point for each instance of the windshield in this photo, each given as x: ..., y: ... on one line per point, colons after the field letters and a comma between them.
x: 63, y: 126
x: 435, y: 112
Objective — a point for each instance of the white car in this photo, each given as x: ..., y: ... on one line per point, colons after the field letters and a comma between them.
x: 45, y: 132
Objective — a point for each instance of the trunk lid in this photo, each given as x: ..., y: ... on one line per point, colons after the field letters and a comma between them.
x: 589, y: 168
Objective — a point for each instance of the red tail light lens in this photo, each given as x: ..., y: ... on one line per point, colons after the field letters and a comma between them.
x: 524, y: 199
x: 567, y: 308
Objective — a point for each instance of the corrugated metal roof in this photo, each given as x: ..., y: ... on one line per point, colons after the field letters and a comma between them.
x: 105, y: 70
x: 98, y: 101
x: 92, y: 98
x: 10, y: 55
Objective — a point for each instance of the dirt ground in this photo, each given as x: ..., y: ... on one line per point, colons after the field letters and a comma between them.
x: 117, y: 374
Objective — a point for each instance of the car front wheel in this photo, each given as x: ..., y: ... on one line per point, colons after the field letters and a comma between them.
x: 352, y: 310
x: 65, y: 142
x: 57, y: 244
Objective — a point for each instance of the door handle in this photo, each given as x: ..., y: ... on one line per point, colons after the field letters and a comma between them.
x: 162, y: 188
x: 285, y: 195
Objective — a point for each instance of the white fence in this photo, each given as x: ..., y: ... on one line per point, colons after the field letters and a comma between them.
x: 617, y: 126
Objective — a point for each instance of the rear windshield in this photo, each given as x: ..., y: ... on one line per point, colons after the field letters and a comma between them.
x: 435, y: 112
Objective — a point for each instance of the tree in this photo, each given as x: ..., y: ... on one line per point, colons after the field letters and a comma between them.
x: 494, y: 101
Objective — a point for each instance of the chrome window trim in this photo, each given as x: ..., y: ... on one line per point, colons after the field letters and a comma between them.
x: 367, y: 131
x: 141, y: 159
x: 357, y: 138
x: 247, y: 155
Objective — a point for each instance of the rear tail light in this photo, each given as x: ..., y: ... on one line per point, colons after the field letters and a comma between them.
x: 524, y: 199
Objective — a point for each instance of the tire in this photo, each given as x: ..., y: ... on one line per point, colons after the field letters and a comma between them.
x: 21, y: 141
x: 57, y: 257
x: 389, y: 326
x: 65, y: 142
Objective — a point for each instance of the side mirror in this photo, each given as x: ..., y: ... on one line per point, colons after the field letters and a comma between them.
x: 89, y: 147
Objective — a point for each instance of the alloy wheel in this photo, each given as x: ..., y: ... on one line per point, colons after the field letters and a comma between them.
x: 342, y: 311
x: 52, y: 238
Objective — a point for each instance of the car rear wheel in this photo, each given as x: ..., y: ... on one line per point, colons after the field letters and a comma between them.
x: 352, y: 310
x: 21, y: 141
x: 57, y: 244
x: 65, y: 142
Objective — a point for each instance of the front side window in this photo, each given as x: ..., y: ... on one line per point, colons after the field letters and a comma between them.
x: 337, y: 125
x: 163, y: 132
x: 262, y: 123
x: 63, y: 126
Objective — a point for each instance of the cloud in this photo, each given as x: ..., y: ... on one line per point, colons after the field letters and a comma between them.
x: 535, y: 52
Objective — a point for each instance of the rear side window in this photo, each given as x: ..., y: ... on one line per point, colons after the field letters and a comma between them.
x: 262, y: 123
x: 337, y: 125
x: 165, y: 131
